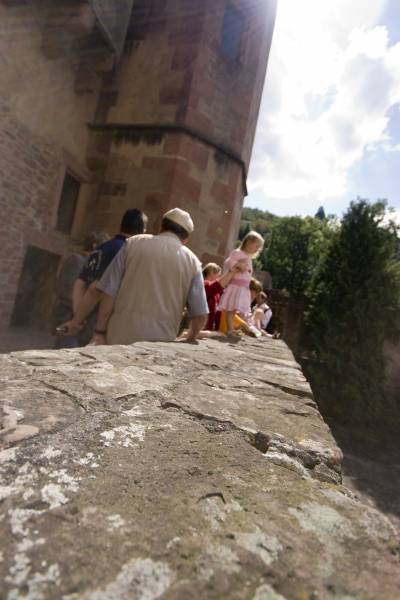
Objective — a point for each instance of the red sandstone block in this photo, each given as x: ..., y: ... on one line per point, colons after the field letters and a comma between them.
x: 224, y: 194
x: 156, y: 202
x: 165, y: 164
x: 157, y: 25
x: 234, y: 177
x: 172, y: 144
x: 184, y: 38
x: 193, y: 101
x: 200, y: 122
x: 222, y: 248
x: 217, y: 228
x: 215, y: 258
x: 186, y: 187
x: 183, y: 57
x: 194, y: 151
x: 171, y: 95
x: 204, y: 87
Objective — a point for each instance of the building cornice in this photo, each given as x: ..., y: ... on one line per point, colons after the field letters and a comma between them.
x: 153, y: 134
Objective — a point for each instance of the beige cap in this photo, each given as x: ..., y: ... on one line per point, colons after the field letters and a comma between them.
x: 181, y: 218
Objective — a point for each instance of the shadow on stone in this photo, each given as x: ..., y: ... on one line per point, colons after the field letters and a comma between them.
x: 371, y: 467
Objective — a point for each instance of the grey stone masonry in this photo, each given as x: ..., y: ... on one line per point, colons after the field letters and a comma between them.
x: 178, y: 471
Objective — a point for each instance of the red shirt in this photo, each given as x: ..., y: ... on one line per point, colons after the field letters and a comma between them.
x: 213, y: 292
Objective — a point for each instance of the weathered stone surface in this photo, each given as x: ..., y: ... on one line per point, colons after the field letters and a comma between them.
x: 174, y: 471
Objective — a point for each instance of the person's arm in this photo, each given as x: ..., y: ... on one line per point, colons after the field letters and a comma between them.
x: 78, y: 292
x: 196, y: 325
x: 88, y: 303
x: 226, y: 277
x: 105, y: 310
x: 108, y: 287
x: 82, y: 307
x: 109, y: 284
x: 198, y: 307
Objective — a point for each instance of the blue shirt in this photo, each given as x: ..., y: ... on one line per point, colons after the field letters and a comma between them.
x: 100, y: 258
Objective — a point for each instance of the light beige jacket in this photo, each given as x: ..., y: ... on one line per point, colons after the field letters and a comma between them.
x: 158, y: 275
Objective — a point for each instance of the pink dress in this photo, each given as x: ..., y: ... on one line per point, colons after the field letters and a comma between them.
x: 236, y: 296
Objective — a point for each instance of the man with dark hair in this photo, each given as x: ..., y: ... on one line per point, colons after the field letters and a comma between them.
x: 85, y: 294
x: 133, y: 223
x: 147, y: 286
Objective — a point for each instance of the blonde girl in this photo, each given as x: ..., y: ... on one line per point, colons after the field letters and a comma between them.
x: 236, y: 297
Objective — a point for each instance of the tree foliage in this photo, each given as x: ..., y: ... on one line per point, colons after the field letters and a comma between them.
x: 354, y: 309
x: 320, y: 214
x: 255, y: 219
x: 293, y: 246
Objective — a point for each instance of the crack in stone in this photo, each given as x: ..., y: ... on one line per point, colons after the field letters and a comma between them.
x: 92, y: 358
x: 64, y: 392
x: 318, y: 466
x: 288, y: 390
x: 212, y: 495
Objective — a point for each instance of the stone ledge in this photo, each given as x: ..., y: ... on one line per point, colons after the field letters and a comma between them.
x: 169, y: 470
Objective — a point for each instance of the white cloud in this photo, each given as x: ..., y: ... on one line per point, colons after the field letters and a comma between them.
x: 395, y: 216
x: 332, y: 79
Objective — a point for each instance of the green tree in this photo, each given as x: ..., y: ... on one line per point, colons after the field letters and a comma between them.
x: 295, y: 247
x: 244, y: 229
x: 354, y: 309
x: 320, y: 214
x: 254, y: 218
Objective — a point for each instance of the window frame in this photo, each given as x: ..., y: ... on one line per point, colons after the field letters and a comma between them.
x: 237, y: 60
x: 68, y: 173
x: 81, y: 174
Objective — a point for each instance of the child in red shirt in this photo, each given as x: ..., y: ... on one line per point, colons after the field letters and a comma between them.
x: 214, y: 285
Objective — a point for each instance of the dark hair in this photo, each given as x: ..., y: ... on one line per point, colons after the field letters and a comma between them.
x: 133, y: 222
x: 94, y: 239
x: 168, y: 225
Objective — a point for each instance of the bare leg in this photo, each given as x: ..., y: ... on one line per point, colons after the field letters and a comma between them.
x: 229, y: 322
x: 258, y: 316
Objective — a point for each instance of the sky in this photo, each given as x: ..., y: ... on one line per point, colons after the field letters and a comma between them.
x: 329, y: 123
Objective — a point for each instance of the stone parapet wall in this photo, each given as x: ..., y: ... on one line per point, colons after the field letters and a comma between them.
x: 174, y: 471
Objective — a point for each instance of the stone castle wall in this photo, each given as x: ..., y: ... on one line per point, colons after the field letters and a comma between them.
x: 172, y: 123
x: 176, y: 122
x: 30, y: 171
x: 43, y: 114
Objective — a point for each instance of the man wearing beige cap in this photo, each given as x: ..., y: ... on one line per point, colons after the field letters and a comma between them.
x: 147, y: 286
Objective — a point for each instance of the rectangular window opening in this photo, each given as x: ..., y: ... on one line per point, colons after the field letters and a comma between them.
x: 232, y: 31
x: 68, y: 203
x: 35, y: 295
